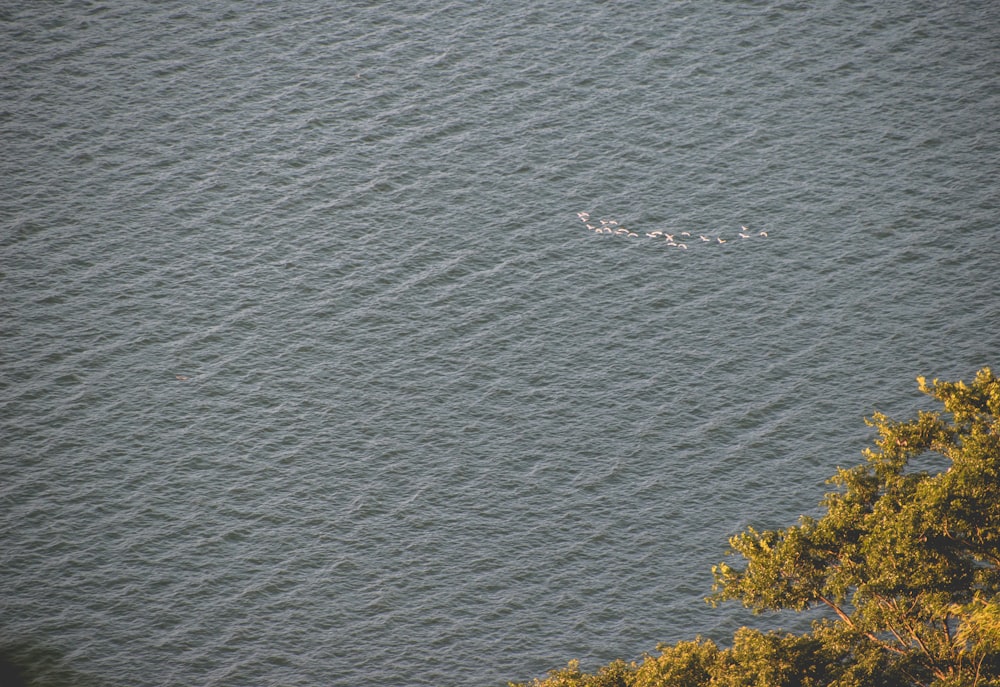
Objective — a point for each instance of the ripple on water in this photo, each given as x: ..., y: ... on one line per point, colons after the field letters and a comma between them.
x: 310, y: 372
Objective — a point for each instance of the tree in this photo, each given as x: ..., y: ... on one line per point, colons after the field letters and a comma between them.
x: 906, y: 560
x: 615, y: 674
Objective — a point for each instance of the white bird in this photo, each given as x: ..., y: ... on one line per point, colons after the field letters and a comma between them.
x: 703, y: 238
x: 763, y: 233
x: 685, y: 233
x: 721, y: 240
x: 744, y: 228
x: 681, y: 245
x: 583, y: 215
x: 671, y: 243
x: 655, y: 234
x: 670, y: 237
x: 744, y: 236
x: 633, y: 235
x: 591, y: 227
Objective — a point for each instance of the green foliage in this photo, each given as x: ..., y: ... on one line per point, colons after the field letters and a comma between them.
x: 907, y: 560
x: 615, y: 674
x: 685, y: 664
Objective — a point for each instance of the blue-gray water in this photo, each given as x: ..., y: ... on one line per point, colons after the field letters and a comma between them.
x: 311, y: 375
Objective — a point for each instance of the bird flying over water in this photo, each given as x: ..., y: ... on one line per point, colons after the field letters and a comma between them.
x: 612, y: 226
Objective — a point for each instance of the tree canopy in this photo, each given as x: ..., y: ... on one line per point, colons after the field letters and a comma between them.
x: 906, y: 559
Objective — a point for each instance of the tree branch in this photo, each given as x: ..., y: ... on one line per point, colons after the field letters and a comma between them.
x: 850, y: 623
x: 838, y: 610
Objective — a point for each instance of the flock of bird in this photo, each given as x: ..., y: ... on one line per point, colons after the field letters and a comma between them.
x: 675, y: 240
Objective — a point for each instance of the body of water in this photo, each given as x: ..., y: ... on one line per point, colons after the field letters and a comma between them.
x: 313, y: 375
